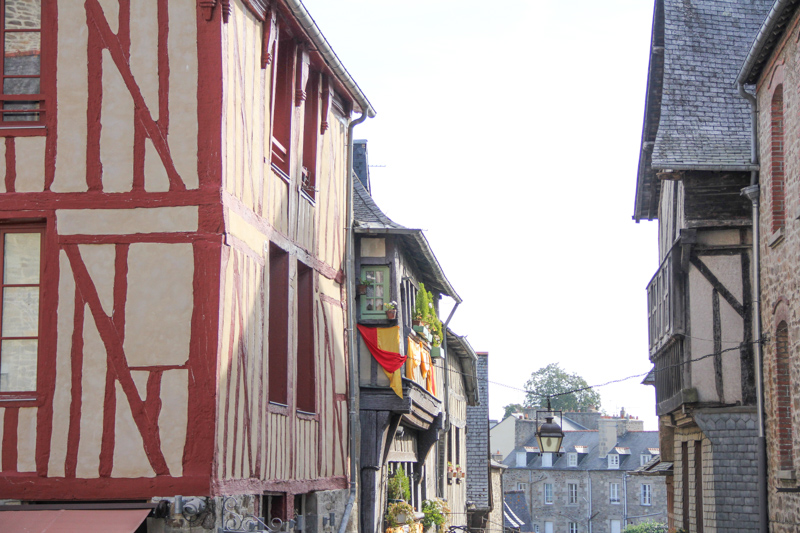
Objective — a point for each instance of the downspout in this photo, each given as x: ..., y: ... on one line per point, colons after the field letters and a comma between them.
x: 624, y: 500
x: 443, y: 466
x: 752, y: 193
x: 355, y: 426
x: 589, y: 521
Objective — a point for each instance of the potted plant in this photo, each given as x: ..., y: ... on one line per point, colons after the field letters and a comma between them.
x: 391, y: 310
x: 398, y: 488
x: 361, y: 288
x: 436, y: 513
x: 399, y: 514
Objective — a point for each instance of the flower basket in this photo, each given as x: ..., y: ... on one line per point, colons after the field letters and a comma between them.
x: 361, y: 289
x: 391, y: 314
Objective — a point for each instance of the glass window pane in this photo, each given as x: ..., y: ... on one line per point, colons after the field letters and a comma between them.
x: 21, y: 253
x: 18, y: 365
x: 379, y: 276
x: 378, y: 290
x: 370, y: 290
x: 21, y: 312
x: 23, y: 14
x: 22, y: 53
x: 22, y: 86
x: 369, y: 275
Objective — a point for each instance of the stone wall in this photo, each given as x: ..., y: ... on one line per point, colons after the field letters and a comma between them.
x: 478, y: 440
x: 780, y: 270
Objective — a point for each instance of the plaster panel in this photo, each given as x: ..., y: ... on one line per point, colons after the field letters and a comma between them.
x: 130, y: 459
x: 373, y: 247
x: 155, y: 175
x: 140, y: 380
x: 70, y: 174
x: 111, y: 12
x: 160, y: 303
x: 172, y: 423
x: 62, y: 395
x: 728, y: 269
x: 732, y: 334
x: 144, y: 52
x: 26, y: 440
x: 702, y: 341
x: 99, y: 260
x: 2, y: 167
x: 126, y: 221
x: 30, y: 164
x: 116, y: 135
x: 240, y: 229
x: 92, y: 399
x: 336, y: 325
x: 719, y: 238
x: 182, y: 47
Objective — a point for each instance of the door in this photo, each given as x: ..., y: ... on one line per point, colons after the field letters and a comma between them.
x: 616, y: 526
x: 548, y: 527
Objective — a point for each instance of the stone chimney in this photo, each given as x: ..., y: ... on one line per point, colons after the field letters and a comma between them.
x: 607, y: 435
x: 524, y: 428
x: 587, y: 419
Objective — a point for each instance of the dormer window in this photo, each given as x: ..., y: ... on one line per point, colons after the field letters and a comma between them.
x: 522, y: 459
x: 613, y: 461
x: 644, y: 459
x: 547, y: 460
x: 572, y: 459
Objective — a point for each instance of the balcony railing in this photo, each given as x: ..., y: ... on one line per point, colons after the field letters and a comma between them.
x: 665, y: 302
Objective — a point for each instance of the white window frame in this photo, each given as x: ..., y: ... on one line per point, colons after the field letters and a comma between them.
x: 613, y: 461
x: 572, y: 459
x: 547, y: 460
x: 646, y: 494
x: 644, y: 459
x: 572, y: 493
x: 613, y: 493
x: 548, y: 494
x: 573, y: 527
x: 521, y: 486
x: 535, y: 528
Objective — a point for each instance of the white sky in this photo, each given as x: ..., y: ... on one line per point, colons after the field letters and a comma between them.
x: 509, y: 132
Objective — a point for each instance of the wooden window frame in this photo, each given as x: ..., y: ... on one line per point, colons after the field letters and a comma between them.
x: 387, y: 291
x: 572, y: 493
x: 282, y: 103
x: 47, y: 66
x: 613, y: 494
x: 547, y: 495
x: 572, y: 459
x: 278, y: 329
x: 24, y: 228
x: 613, y: 461
x: 305, y: 361
x: 646, y: 494
x: 573, y: 527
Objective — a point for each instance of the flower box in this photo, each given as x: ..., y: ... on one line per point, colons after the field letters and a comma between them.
x: 436, y: 352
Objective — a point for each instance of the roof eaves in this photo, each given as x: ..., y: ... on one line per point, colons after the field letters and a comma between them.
x: 767, y: 38
x: 461, y: 347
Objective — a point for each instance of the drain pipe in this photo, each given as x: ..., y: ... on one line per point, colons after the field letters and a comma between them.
x: 355, y: 425
x: 752, y: 193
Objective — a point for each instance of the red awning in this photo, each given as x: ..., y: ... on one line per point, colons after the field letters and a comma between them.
x: 73, y: 521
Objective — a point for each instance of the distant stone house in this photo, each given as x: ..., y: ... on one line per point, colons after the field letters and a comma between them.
x: 695, y: 160
x: 589, y: 487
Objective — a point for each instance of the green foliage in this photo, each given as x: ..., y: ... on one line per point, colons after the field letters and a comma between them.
x: 399, y: 488
x: 436, y: 512
x: 425, y: 312
x: 646, y: 527
x: 512, y: 408
x: 552, y: 380
x: 397, y: 509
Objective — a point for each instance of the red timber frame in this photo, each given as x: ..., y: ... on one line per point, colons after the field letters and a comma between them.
x: 206, y: 243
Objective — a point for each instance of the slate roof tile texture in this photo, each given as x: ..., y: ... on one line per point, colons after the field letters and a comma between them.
x: 704, y: 122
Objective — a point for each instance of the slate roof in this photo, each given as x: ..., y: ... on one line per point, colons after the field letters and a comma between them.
x: 768, y: 37
x: 694, y: 116
x: 515, y: 512
x: 460, y: 347
x: 655, y: 467
x: 637, y: 443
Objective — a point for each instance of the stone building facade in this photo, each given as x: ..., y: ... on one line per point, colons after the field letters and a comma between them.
x: 591, y: 486
x: 773, y: 67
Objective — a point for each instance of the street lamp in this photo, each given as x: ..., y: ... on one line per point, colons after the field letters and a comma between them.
x: 549, y: 434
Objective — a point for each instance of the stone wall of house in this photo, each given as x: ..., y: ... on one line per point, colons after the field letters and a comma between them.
x: 780, y: 270
x: 561, y: 512
x: 494, y: 522
x: 478, y: 439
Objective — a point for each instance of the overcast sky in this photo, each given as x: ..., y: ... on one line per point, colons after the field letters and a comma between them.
x: 509, y: 131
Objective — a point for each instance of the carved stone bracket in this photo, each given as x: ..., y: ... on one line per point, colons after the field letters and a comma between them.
x: 325, y: 98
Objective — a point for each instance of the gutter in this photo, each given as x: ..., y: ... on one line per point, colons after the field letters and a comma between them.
x: 331, y: 59
x: 752, y: 193
x: 774, y: 17
x: 355, y: 426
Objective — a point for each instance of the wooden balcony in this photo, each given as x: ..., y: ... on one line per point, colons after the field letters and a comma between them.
x: 665, y: 307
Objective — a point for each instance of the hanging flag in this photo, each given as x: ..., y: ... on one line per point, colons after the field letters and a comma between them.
x: 414, y: 358
x: 384, y: 345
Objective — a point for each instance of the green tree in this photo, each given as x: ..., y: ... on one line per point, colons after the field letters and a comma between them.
x: 551, y: 381
x: 512, y: 408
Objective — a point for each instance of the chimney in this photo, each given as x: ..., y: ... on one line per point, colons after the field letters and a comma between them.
x: 607, y: 435
x: 524, y: 428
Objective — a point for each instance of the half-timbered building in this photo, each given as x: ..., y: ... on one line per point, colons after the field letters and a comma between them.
x: 173, y: 205
x: 695, y: 160
x: 413, y: 409
x: 772, y: 65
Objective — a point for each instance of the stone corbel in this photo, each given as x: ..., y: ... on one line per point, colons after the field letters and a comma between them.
x: 325, y: 101
x: 207, y: 7
x: 269, y: 35
x: 301, y: 73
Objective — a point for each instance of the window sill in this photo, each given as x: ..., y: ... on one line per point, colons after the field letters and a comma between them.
x: 305, y: 415
x: 307, y: 197
x: 281, y: 174
x: 787, y: 475
x: 38, y: 130
x: 278, y: 408
x: 19, y: 400
x: 776, y: 238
